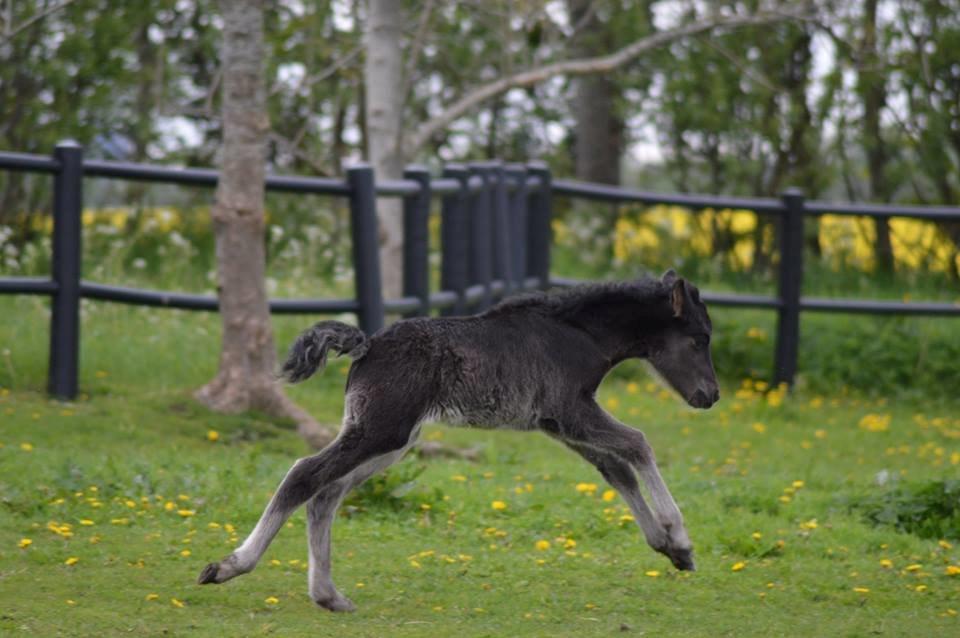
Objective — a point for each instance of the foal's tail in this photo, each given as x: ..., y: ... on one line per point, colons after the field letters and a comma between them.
x: 309, y: 352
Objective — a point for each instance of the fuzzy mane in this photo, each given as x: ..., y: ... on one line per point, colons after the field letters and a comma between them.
x: 571, y: 300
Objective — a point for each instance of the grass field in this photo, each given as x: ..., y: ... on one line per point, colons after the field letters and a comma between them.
x: 110, y: 506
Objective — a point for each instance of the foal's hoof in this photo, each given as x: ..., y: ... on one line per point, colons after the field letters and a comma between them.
x: 682, y: 559
x: 338, y: 602
x: 223, y: 571
x: 209, y: 574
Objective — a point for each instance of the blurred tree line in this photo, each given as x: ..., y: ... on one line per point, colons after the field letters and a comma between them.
x: 859, y: 99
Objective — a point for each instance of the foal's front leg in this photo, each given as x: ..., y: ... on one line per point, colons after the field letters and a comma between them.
x: 600, y: 431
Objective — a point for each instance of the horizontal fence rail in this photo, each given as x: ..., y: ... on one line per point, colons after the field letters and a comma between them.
x: 472, y: 291
x: 495, y: 240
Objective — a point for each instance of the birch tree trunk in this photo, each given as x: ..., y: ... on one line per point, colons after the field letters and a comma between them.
x: 247, y: 358
x: 383, y: 79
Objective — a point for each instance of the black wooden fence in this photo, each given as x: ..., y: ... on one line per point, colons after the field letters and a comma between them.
x: 495, y: 241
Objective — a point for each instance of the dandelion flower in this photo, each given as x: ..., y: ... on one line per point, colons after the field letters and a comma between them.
x: 861, y: 590
x: 886, y: 563
x: 952, y: 570
x: 176, y: 603
x: 542, y: 545
x: 586, y: 488
x: 736, y: 567
x: 271, y: 600
x: 914, y: 568
x: 24, y: 543
x: 459, y: 478
x: 498, y: 505
x: 86, y: 521
x: 186, y: 513
x: 185, y: 553
x: 651, y: 573
x: 151, y: 596
x: 609, y: 495
x: 73, y: 560
x: 26, y: 447
x: 944, y: 544
x: 759, y: 428
x: 213, y: 436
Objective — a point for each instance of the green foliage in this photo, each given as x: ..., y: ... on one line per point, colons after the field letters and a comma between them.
x: 929, y: 510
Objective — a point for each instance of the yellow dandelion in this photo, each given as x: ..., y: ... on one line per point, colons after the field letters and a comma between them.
x: 271, y: 600
x: 71, y: 602
x: 613, y: 403
x: 586, y: 488
x: 944, y: 544
x: 151, y: 596
x: 820, y: 434
x: 86, y: 521
x: 886, y: 563
x: 186, y: 513
x: 414, y: 564
x: 569, y: 543
x: 632, y: 388
x: 176, y: 603
x: 360, y: 585
x: 213, y: 436
x: 809, y: 525
x: 756, y: 536
x: 542, y: 545
x: 169, y: 506
x: 498, y: 505
x: 24, y: 543
x: 459, y: 478
x: 26, y: 447
x: 797, y: 484
x: 952, y: 570
x: 914, y: 568
x: 920, y: 588
x: 759, y: 428
x: 651, y: 573
x: 73, y: 560
x: 736, y: 567
x: 609, y: 495
x: 862, y: 590
x: 185, y: 553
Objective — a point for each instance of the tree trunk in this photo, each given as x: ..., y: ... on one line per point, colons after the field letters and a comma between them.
x: 383, y: 79
x: 247, y: 358
x: 598, y: 131
x: 873, y: 92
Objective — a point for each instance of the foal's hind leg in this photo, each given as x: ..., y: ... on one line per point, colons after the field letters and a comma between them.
x: 321, y: 511
x: 305, y: 478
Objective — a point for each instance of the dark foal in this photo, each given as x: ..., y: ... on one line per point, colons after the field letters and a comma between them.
x: 530, y: 363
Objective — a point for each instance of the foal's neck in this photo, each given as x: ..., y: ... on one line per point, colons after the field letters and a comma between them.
x: 621, y: 328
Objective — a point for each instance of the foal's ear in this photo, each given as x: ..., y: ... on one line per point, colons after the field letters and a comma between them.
x: 669, y: 277
x: 679, y: 297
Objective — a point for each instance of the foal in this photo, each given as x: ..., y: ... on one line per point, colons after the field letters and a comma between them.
x: 530, y: 363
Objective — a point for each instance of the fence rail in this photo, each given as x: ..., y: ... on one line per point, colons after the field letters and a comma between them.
x: 495, y: 241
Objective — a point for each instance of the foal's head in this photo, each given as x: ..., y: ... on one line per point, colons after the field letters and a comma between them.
x: 681, y: 352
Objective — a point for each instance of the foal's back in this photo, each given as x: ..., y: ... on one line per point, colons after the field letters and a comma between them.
x: 509, y: 367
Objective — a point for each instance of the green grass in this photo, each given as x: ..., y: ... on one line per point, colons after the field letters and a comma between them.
x: 139, y: 439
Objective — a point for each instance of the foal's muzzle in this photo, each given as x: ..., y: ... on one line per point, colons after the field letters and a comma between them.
x: 704, y: 399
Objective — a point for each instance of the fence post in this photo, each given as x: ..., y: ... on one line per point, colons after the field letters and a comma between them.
x: 500, y: 220
x: 539, y: 232
x: 454, y: 247
x: 67, y: 251
x: 366, y: 250
x: 790, y: 281
x: 481, y: 235
x: 517, y: 216
x: 416, y: 237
